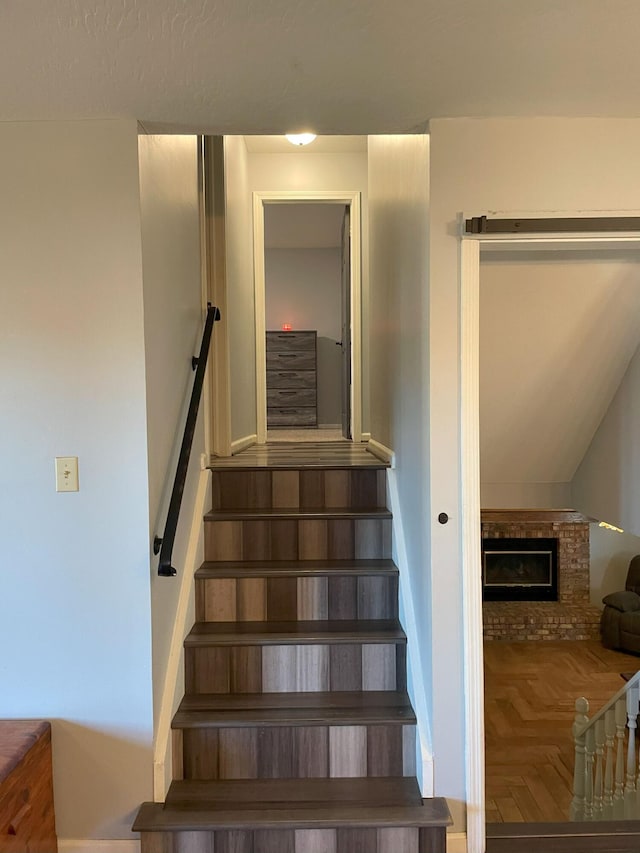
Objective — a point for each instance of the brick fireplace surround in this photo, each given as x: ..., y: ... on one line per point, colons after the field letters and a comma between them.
x: 572, y: 617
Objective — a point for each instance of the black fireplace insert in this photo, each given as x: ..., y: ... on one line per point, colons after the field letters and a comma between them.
x: 520, y: 569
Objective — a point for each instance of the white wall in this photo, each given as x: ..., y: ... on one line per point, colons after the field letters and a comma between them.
x: 557, y: 331
x: 478, y: 166
x: 606, y: 482
x: 525, y: 495
x: 173, y: 314
x: 398, y: 230
x: 303, y: 287
x: 240, y: 288
x: 76, y: 599
x: 611, y: 553
x: 304, y: 171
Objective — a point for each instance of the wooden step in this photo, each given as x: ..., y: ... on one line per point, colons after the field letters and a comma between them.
x: 298, y: 535
x: 291, y: 709
x: 352, y: 487
x: 295, y: 568
x: 295, y: 816
x: 295, y: 735
x: 295, y: 633
x: 298, y: 514
x: 334, y: 455
x: 295, y: 657
x: 570, y: 837
x: 289, y: 592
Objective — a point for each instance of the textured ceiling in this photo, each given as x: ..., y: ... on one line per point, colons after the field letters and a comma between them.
x: 556, y: 338
x: 265, y: 66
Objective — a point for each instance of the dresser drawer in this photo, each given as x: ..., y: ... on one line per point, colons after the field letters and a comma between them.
x: 292, y: 417
x: 291, y: 341
x: 303, y: 360
x: 291, y: 379
x: 295, y: 397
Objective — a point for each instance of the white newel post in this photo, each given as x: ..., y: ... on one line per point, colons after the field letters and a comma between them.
x: 579, y: 771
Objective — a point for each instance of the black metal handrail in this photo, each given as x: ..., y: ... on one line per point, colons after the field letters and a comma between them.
x: 164, y: 544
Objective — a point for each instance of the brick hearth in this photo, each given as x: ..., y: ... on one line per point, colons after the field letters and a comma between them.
x: 572, y: 617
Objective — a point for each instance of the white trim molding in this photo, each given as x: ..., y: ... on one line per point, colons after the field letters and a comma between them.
x: 382, y: 452
x: 424, y: 747
x: 346, y: 197
x: 102, y: 845
x: 471, y: 248
x: 172, y: 691
x: 242, y: 443
x: 457, y: 842
x: 470, y: 533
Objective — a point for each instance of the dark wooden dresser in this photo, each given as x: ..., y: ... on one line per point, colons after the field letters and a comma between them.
x: 27, y: 820
x: 292, y: 379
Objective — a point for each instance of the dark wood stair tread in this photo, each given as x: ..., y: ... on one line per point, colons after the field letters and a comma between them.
x: 294, y: 709
x: 296, y: 568
x: 605, y: 836
x: 292, y: 803
x: 335, y: 456
x: 295, y: 633
x: 296, y: 513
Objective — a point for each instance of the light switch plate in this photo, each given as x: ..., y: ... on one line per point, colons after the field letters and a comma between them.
x: 67, y: 474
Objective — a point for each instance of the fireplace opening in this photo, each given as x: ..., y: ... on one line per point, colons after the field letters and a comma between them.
x: 520, y: 569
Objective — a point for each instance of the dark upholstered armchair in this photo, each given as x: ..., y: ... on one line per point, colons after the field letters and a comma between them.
x: 620, y: 622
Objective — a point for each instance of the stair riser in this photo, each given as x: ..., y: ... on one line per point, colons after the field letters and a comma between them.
x: 286, y: 752
x: 302, y: 598
x: 305, y: 489
x: 295, y: 668
x: 296, y: 539
x: 362, y: 840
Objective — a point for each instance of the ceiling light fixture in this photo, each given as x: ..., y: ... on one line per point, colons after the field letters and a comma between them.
x: 300, y: 138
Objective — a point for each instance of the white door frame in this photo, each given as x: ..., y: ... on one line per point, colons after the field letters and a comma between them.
x: 351, y: 198
x: 471, y: 248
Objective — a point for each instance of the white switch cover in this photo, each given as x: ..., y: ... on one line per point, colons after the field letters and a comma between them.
x: 67, y: 474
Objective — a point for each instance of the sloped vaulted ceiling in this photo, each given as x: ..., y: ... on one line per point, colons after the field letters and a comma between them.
x: 556, y: 338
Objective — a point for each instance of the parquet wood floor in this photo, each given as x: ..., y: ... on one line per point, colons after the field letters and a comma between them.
x: 530, y: 691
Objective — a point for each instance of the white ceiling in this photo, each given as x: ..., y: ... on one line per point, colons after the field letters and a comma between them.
x: 320, y: 145
x: 302, y: 226
x: 555, y: 341
x: 337, y: 66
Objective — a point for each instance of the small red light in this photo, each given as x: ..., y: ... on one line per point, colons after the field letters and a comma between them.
x: 286, y: 327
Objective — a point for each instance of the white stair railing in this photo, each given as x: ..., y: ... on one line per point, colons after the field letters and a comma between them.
x: 606, y: 778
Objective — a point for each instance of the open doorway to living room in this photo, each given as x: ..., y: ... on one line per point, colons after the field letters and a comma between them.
x: 559, y: 338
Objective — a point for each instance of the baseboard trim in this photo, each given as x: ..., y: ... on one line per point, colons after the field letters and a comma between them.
x: 456, y: 842
x: 365, y: 436
x: 417, y: 691
x: 103, y: 845
x: 242, y: 443
x: 171, y: 689
x: 385, y: 454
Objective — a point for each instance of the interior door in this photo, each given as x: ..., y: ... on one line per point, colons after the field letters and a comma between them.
x: 346, y: 324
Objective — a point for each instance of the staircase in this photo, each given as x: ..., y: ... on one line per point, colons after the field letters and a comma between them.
x: 296, y: 734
